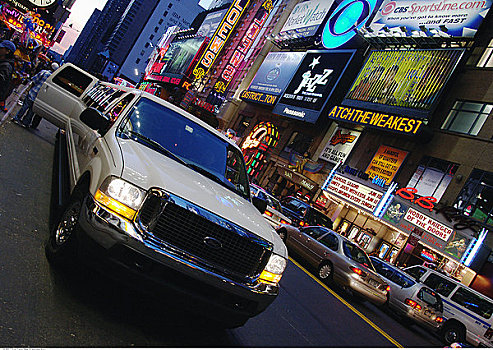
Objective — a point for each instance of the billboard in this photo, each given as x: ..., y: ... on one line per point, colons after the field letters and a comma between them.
x: 340, y: 145
x: 403, y: 82
x: 210, y: 23
x: 306, y: 17
x: 385, y: 163
x: 312, y: 84
x: 430, y: 17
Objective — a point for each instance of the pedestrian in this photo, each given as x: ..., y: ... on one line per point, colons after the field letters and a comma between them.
x: 7, y: 49
x: 25, y: 115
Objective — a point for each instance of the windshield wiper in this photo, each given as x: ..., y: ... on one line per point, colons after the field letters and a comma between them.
x: 156, y: 145
x: 215, y: 178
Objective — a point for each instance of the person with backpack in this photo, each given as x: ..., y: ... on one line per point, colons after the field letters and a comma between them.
x: 25, y: 115
x: 7, y: 49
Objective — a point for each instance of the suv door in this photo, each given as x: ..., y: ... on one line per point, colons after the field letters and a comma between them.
x: 61, y: 92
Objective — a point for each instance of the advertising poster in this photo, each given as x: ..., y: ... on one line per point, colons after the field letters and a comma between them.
x: 210, y: 23
x: 179, y: 56
x: 395, y: 212
x: 408, y: 80
x: 306, y: 17
x: 459, y: 18
x: 340, y: 145
x: 385, y: 163
x: 312, y: 84
x: 457, y: 245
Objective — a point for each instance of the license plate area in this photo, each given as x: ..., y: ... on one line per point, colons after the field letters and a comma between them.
x: 373, y: 283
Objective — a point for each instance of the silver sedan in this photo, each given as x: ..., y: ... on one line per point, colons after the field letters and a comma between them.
x: 337, y: 258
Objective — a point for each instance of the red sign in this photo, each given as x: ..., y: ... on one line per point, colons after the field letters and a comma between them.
x: 205, y: 105
x: 428, y: 224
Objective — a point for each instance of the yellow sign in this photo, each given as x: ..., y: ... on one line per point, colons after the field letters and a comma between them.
x: 386, y: 163
x: 258, y: 97
x: 389, y: 122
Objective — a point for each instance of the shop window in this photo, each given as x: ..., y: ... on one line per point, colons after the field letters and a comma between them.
x: 486, y: 59
x: 476, y: 197
x: 243, y: 126
x: 467, y: 117
x: 473, y: 302
x: 298, y: 142
x: 432, y: 177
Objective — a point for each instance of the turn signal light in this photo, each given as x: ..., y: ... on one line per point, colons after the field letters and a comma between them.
x: 114, y: 205
x: 358, y: 271
x: 413, y: 304
x: 268, y: 213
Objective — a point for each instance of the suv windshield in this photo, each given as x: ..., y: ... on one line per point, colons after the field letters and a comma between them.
x: 183, y: 140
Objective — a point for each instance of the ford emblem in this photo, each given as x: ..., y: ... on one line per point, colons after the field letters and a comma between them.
x: 213, y: 243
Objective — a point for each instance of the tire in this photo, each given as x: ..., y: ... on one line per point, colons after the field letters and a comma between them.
x: 61, y: 247
x: 454, y: 333
x: 325, y: 271
x: 35, y: 122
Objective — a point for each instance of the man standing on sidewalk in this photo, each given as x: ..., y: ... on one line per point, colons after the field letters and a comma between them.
x: 7, y: 49
x: 22, y: 118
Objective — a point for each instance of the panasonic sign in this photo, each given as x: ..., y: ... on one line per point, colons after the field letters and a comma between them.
x: 349, y: 17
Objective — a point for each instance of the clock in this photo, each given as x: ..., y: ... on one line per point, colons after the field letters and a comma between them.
x: 42, y: 3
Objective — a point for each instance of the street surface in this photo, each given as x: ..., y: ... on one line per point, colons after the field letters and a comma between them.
x: 42, y: 307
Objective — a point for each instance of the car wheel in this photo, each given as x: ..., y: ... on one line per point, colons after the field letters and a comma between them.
x: 325, y: 271
x: 61, y: 245
x: 454, y: 333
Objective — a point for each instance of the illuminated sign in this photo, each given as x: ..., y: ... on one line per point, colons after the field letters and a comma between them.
x: 41, y: 29
x: 377, y: 120
x: 210, y: 23
x: 385, y: 163
x: 428, y: 255
x: 263, y: 137
x: 428, y: 224
x: 343, y: 24
x: 455, y: 18
x: 403, y: 82
x: 220, y: 37
x: 306, y: 17
x: 313, y: 83
x: 205, y: 105
x: 237, y: 59
x: 354, y: 192
x: 258, y: 97
x: 409, y: 193
x: 340, y: 145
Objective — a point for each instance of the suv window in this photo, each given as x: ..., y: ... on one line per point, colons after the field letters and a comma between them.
x: 402, y: 280
x: 439, y: 284
x: 416, y: 271
x: 314, y: 232
x: 72, y: 80
x: 473, y: 302
x: 330, y: 240
x: 431, y: 298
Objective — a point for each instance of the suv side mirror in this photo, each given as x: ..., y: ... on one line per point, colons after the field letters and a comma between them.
x: 95, y: 119
x: 260, y: 204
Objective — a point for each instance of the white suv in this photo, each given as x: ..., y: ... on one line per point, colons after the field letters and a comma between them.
x: 160, y: 195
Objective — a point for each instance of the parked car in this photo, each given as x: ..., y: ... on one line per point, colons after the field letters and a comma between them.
x: 273, y: 212
x: 302, y: 214
x: 410, y: 298
x: 336, y: 258
x: 467, y: 313
x: 159, y: 196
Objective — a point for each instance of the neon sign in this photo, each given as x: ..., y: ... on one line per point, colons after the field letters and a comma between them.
x: 349, y: 17
x: 263, y: 137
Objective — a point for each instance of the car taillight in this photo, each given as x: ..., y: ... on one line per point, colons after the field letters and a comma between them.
x: 439, y: 319
x: 268, y: 213
x: 387, y: 288
x: 284, y: 222
x: 359, y: 272
x: 413, y: 304
x: 302, y: 223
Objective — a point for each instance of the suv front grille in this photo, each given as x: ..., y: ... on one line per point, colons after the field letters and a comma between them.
x: 232, y: 253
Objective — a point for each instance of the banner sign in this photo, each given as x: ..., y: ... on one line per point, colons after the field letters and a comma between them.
x: 458, y: 18
x: 385, y: 163
x: 258, y: 97
x: 210, y: 23
x: 306, y: 17
x: 313, y: 83
x: 275, y: 72
x: 238, y: 56
x: 428, y: 224
x: 220, y: 37
x: 340, y: 145
x: 404, y: 82
x: 404, y: 125
x: 354, y: 192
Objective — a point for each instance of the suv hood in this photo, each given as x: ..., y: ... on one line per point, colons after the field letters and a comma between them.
x: 147, y: 168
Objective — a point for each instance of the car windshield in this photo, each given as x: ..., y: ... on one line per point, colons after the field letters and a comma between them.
x: 316, y: 218
x: 187, y: 142
x: 353, y: 252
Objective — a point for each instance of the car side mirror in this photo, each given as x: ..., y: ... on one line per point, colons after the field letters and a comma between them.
x: 260, y: 204
x: 95, y: 119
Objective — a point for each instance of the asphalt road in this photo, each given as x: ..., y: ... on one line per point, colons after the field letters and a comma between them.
x: 42, y: 307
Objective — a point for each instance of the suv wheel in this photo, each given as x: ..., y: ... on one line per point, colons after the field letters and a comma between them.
x: 454, y: 333
x: 325, y: 271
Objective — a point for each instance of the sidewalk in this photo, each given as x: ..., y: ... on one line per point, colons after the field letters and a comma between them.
x: 11, y: 103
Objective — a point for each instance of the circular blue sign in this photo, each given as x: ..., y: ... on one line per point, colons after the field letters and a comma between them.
x: 349, y: 17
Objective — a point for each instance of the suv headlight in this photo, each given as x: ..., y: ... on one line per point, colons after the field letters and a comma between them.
x: 273, y: 270
x: 120, y: 196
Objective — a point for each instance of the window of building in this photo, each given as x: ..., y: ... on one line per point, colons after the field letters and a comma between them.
x: 161, y: 21
x: 142, y: 52
x: 146, y: 45
x: 170, y: 5
x: 156, y: 29
x: 467, y: 117
x: 151, y: 37
x: 432, y: 177
x: 298, y: 142
x: 165, y: 13
x: 137, y: 60
x: 476, y: 197
x: 486, y: 59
